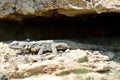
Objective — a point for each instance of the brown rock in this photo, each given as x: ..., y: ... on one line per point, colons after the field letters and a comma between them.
x: 11, y: 8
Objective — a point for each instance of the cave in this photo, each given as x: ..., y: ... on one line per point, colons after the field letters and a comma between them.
x: 104, y: 25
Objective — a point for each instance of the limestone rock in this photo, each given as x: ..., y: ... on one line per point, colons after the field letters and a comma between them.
x: 44, y: 78
x: 77, y: 55
x: 19, y: 8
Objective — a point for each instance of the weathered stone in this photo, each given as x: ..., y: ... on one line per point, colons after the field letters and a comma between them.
x: 10, y: 8
x: 47, y: 67
x: 66, y: 66
x: 106, y: 5
x: 44, y: 78
x: 7, y: 7
x: 77, y: 55
x: 99, y: 67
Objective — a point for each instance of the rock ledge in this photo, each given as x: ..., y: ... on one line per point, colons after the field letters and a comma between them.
x: 71, y: 8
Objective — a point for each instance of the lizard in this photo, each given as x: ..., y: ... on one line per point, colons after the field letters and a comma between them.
x: 39, y: 46
x: 56, y: 45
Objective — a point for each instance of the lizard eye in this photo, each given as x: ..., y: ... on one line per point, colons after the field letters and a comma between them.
x: 16, y: 43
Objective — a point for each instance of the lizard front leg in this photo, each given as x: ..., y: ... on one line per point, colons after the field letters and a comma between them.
x: 41, y: 50
x: 54, y: 49
x: 59, y: 46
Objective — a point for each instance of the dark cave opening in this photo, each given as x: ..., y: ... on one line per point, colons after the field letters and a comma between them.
x: 62, y: 27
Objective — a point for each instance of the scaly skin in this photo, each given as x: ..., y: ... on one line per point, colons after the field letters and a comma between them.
x: 55, y: 45
x: 38, y: 46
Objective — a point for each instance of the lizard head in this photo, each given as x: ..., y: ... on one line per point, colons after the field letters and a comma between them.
x: 18, y: 45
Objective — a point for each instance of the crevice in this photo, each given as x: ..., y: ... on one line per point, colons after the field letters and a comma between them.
x: 61, y: 27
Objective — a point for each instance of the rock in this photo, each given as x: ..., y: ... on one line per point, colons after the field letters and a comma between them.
x: 76, y: 55
x: 46, y: 67
x: 60, y: 59
x: 101, y: 67
x: 96, y: 56
x: 11, y: 8
x: 71, y: 65
x: 44, y: 78
x: 98, y: 62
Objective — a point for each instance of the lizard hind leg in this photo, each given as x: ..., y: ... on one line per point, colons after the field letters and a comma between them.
x: 59, y: 47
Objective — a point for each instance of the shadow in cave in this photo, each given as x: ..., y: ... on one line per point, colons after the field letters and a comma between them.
x: 36, y: 28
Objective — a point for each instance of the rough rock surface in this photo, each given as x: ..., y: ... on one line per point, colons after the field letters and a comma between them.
x: 13, y: 8
x: 69, y: 65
